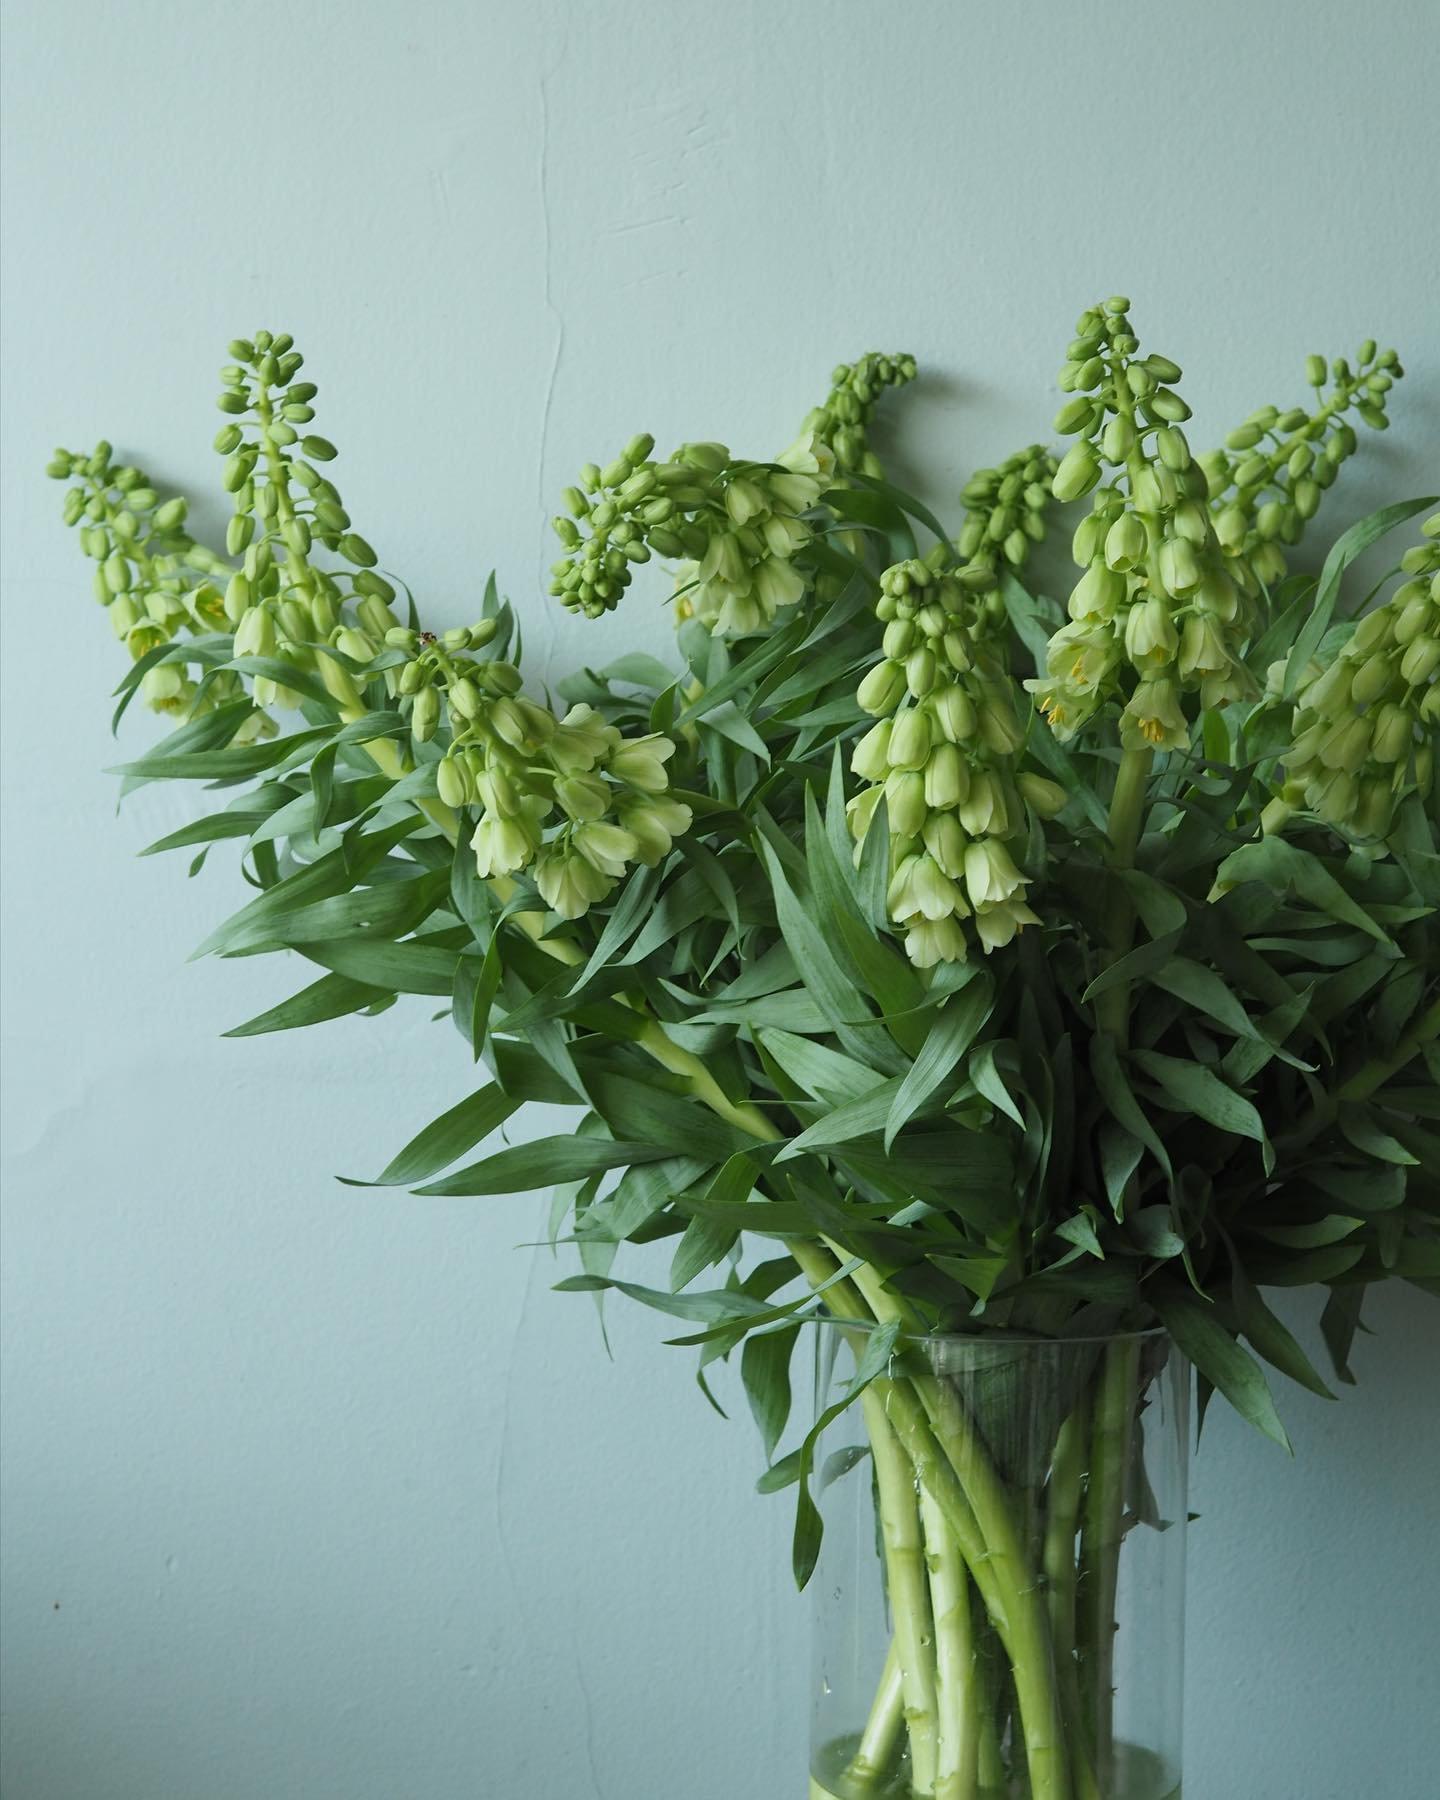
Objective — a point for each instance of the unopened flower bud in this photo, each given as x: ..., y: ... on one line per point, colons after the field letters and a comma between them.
x: 1047, y: 797
x: 882, y: 688
x: 425, y: 714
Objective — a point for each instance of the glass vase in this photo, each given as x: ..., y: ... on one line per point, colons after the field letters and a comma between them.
x: 999, y: 1600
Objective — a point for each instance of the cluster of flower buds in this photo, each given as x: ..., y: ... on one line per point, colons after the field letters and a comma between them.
x: 1266, y: 484
x: 737, y: 525
x: 942, y: 754
x: 571, y: 799
x: 281, y: 603
x: 151, y: 576
x: 843, y: 422
x: 1365, y: 728
x: 1005, y: 509
x: 1157, y: 613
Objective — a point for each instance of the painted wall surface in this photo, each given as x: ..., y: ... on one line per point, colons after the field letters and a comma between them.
x: 314, y: 1493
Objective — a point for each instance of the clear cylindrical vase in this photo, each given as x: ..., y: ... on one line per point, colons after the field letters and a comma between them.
x: 999, y: 1600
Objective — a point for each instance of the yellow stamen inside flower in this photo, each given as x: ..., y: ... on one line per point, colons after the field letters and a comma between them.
x: 1152, y: 729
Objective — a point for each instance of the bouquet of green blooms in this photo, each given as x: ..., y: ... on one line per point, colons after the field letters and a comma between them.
x: 919, y: 949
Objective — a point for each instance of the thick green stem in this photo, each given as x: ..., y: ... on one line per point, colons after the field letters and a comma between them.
x: 905, y: 1574
x: 957, y: 1696
x: 1102, y: 1535
x: 1127, y: 814
x: 992, y: 1541
x: 1062, y: 1523
x: 876, y: 1748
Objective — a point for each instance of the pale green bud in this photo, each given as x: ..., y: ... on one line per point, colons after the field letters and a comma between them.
x: 1118, y: 438
x: 920, y: 672
x: 910, y: 739
x: 425, y: 714
x: 1421, y: 659
x: 882, y: 687
x: 1391, y: 734
x: 452, y: 780
x: 1178, y: 566
x: 237, y: 597
x: 1347, y: 744
x: 354, y: 644
x: 990, y: 875
x: 947, y: 780
x: 946, y: 843
x: 954, y: 713
x: 985, y: 809
x: 905, y: 803
x: 870, y: 759
x: 1173, y: 450
x: 464, y: 698
x: 255, y: 634
x: 1078, y: 472
x: 1125, y: 542
x: 1372, y: 678
x: 1047, y: 797
x: 583, y: 797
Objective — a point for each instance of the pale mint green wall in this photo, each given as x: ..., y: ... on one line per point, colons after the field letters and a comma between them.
x: 314, y: 1494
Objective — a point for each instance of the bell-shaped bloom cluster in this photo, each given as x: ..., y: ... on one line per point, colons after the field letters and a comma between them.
x: 735, y: 525
x: 1157, y: 614
x: 570, y: 799
x: 1365, y: 728
x: 942, y: 756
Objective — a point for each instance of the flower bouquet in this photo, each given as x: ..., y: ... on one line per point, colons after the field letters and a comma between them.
x: 992, y: 993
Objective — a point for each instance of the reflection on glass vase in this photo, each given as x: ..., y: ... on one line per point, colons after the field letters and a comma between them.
x: 999, y: 1601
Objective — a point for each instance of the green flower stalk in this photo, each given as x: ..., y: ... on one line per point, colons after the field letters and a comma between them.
x: 1266, y: 484
x: 1005, y: 509
x: 1156, y: 615
x: 942, y: 757
x: 842, y: 424
x: 1364, y: 726
x: 737, y: 526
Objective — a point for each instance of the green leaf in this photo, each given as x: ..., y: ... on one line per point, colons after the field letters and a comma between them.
x: 1143, y: 960
x: 224, y: 765
x: 446, y: 1138
x: 873, y: 1362
x: 1119, y: 1098
x: 1338, y: 1324
x: 1347, y: 547
x: 765, y: 1370
x: 704, y: 1242
x: 988, y: 1081
x: 1203, y: 989
x: 1366, y: 1133
x: 1282, y: 866
x: 387, y: 910
x: 408, y: 968
x: 332, y: 997
x: 1192, y: 1088
x: 857, y: 1118
x: 1270, y: 1336
x: 1223, y: 1362
x: 208, y: 830
x: 827, y: 1075
x: 834, y: 992
x: 336, y: 872
x: 945, y: 1043
x: 542, y: 1164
